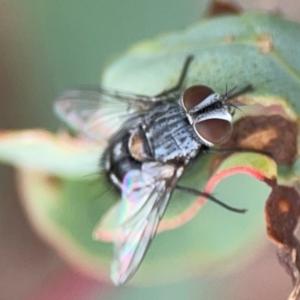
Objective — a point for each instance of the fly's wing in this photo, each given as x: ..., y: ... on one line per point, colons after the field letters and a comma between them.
x: 145, y: 196
x: 99, y: 113
x: 89, y: 113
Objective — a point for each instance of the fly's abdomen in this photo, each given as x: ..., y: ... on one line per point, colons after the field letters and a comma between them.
x: 118, y: 160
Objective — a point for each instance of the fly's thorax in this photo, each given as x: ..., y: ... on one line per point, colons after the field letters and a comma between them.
x: 169, y: 137
x: 208, y: 114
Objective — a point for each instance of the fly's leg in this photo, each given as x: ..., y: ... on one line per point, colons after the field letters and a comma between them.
x: 209, y: 197
x: 174, y: 91
x: 149, y: 100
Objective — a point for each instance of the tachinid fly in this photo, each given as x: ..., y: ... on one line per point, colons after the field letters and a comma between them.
x: 147, y: 155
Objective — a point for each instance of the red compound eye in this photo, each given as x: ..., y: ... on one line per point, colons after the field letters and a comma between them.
x: 215, y: 131
x: 194, y: 95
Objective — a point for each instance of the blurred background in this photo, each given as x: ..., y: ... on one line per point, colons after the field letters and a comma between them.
x: 50, y: 46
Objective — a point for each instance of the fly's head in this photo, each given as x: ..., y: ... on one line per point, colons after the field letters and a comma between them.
x: 209, y: 113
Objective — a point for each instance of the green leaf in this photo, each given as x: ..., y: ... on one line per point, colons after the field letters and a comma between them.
x: 255, y: 49
x: 65, y: 213
x: 227, y: 52
x: 58, y: 155
x: 252, y: 48
x: 179, y: 212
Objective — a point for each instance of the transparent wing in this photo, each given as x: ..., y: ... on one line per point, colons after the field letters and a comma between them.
x: 88, y: 112
x: 145, y: 197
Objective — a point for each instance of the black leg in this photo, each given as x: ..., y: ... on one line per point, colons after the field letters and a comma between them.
x: 148, y: 100
x: 178, y: 87
x: 209, y: 197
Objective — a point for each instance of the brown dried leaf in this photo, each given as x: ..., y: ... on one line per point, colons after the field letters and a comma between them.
x: 272, y: 133
x: 282, y: 217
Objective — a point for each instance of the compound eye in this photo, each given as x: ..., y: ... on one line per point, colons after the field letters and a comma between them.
x: 194, y: 95
x: 215, y: 131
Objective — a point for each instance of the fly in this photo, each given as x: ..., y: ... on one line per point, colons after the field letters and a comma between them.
x: 148, y: 154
